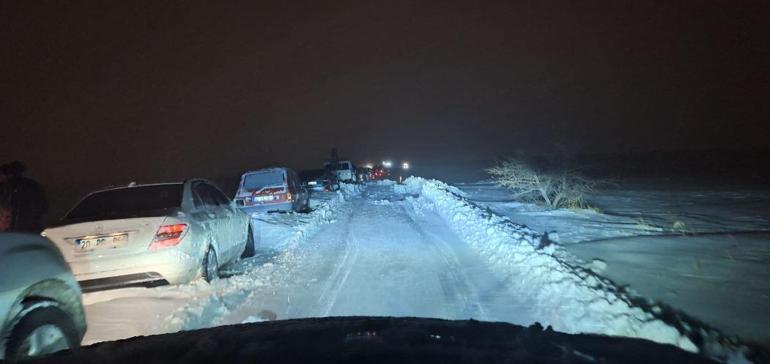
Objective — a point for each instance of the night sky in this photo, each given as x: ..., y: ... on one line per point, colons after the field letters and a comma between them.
x: 111, y: 91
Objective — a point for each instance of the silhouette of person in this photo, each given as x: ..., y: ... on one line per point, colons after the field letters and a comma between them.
x: 23, y: 196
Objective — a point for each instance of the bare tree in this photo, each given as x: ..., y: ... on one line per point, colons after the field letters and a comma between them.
x: 555, y: 190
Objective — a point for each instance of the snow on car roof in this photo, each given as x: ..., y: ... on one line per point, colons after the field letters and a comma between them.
x: 264, y: 170
x: 132, y: 185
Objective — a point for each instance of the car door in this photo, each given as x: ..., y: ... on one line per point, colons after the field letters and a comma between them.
x: 232, y: 222
x: 210, y: 211
x: 302, y: 191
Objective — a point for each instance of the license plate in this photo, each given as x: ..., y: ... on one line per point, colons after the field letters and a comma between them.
x: 263, y: 198
x: 100, y: 242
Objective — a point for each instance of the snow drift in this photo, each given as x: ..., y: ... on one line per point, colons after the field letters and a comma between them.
x: 222, y: 301
x: 568, y: 299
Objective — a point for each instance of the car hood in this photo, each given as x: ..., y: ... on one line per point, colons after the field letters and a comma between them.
x: 378, y: 339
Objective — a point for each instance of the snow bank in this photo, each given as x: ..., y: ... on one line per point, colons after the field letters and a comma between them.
x: 350, y: 189
x: 383, y: 182
x: 565, y: 298
x: 216, y: 304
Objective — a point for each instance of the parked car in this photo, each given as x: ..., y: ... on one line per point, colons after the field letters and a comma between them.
x: 272, y: 189
x: 41, y: 311
x: 152, y: 234
x: 345, y: 170
x: 319, y: 180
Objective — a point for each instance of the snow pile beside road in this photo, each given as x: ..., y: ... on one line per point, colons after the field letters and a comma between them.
x: 350, y: 189
x: 229, y: 301
x: 383, y: 182
x: 570, y: 300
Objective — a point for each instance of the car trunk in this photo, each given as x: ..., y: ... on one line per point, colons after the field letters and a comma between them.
x: 259, y: 188
x: 101, y: 246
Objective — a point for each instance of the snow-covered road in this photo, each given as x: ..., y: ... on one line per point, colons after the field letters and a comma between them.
x: 372, y: 254
x: 382, y: 259
x: 374, y: 259
x: 419, y: 249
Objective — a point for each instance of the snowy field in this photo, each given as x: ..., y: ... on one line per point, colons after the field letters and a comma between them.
x: 432, y: 250
x: 704, y: 251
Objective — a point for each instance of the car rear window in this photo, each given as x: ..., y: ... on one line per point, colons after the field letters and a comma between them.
x: 259, y: 180
x: 128, y: 202
x: 311, y: 175
x: 344, y: 165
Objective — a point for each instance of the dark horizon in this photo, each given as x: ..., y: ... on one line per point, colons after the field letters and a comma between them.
x: 102, y: 93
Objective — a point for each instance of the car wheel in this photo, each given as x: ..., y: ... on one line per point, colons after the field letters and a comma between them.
x: 210, y: 266
x: 42, y: 331
x: 249, y: 250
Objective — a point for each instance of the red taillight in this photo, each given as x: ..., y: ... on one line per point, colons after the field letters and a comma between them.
x: 168, y: 236
x: 283, y: 196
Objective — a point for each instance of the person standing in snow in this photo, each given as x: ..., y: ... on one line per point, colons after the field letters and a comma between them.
x: 24, y: 197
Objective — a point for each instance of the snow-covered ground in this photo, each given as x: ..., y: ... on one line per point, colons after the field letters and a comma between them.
x: 419, y: 249
x: 704, y: 250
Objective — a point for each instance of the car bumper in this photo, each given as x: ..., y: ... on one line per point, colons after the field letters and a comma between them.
x: 146, y: 279
x: 171, y: 266
x: 267, y: 207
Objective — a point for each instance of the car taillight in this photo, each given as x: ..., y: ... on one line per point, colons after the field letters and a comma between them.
x: 286, y: 196
x: 168, y: 236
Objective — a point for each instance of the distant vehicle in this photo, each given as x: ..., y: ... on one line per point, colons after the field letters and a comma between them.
x: 379, y: 172
x: 41, y: 311
x: 153, y: 234
x: 319, y: 180
x: 272, y: 189
x: 345, y: 171
x: 403, y: 172
x: 363, y: 174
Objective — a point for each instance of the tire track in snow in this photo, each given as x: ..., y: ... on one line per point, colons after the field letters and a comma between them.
x: 393, y: 265
x: 454, y: 281
x: 348, y: 263
x: 233, y: 299
x: 341, y: 271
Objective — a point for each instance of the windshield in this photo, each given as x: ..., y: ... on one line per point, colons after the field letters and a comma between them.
x: 259, y: 180
x: 129, y: 201
x: 596, y: 167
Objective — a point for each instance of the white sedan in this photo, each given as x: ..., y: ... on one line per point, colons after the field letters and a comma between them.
x: 40, y: 307
x: 152, y: 234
